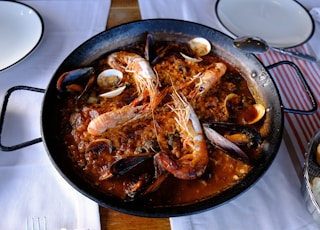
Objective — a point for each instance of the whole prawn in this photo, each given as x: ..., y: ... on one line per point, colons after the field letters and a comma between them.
x: 208, y: 78
x: 115, y: 118
x: 147, y: 84
x: 145, y: 78
x: 193, y: 164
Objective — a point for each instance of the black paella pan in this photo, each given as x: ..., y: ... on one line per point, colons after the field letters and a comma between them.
x: 257, y: 75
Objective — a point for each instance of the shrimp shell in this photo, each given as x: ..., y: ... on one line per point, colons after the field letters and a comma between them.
x: 191, y: 165
x: 114, y: 119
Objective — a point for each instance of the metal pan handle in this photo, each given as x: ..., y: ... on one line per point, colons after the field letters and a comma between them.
x: 305, y: 85
x: 2, y: 116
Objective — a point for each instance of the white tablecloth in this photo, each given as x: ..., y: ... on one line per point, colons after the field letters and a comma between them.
x: 30, y: 185
x: 275, y: 201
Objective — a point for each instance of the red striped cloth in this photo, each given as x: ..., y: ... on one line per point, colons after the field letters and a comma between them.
x: 299, y: 128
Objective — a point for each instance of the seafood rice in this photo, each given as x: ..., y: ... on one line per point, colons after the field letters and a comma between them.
x: 167, y: 118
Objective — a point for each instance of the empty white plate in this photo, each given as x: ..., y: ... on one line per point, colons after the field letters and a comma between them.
x: 282, y: 23
x: 21, y: 29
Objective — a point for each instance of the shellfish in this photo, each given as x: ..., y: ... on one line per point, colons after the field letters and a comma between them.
x: 229, y: 137
x: 244, y: 113
x: 109, y: 80
x: 199, y: 47
x: 78, y: 80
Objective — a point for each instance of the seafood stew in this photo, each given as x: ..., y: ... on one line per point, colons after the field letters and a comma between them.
x: 159, y: 116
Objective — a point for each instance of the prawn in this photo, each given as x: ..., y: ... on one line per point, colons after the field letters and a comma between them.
x: 145, y: 78
x: 191, y: 165
x: 115, y: 118
x: 208, y: 78
x: 147, y: 84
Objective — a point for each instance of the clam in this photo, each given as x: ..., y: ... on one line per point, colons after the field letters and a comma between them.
x: 110, y: 81
x: 191, y: 59
x: 114, y: 92
x: 110, y: 78
x: 199, y: 47
x: 247, y: 114
x: 231, y: 100
x: 255, y: 113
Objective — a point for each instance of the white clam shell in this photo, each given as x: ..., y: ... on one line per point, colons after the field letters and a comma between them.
x: 200, y: 46
x: 114, y: 92
x: 229, y: 97
x: 258, y: 110
x: 109, y: 78
x: 191, y: 59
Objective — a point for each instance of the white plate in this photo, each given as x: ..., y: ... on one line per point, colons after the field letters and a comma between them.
x: 282, y: 23
x: 21, y: 29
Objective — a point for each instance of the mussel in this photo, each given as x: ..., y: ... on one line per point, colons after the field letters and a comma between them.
x: 78, y: 80
x: 100, y: 145
x: 149, y: 50
x: 145, y: 183
x: 125, y: 164
x: 230, y: 137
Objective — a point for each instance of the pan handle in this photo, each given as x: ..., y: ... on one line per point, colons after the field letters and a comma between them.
x: 305, y: 85
x: 2, y: 116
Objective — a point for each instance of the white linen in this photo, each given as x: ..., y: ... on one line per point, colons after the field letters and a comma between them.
x: 275, y: 201
x: 202, y: 11
x: 30, y: 185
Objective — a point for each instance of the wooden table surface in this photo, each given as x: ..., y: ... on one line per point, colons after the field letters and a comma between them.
x: 122, y: 11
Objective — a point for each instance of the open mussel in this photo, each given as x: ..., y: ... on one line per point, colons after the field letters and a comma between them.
x: 78, y: 80
x: 247, y: 135
x: 125, y: 164
x: 99, y: 146
x: 232, y: 138
x: 149, y: 50
x: 145, y: 183
x: 139, y: 183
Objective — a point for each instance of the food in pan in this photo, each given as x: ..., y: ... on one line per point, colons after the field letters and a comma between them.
x: 168, y: 122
